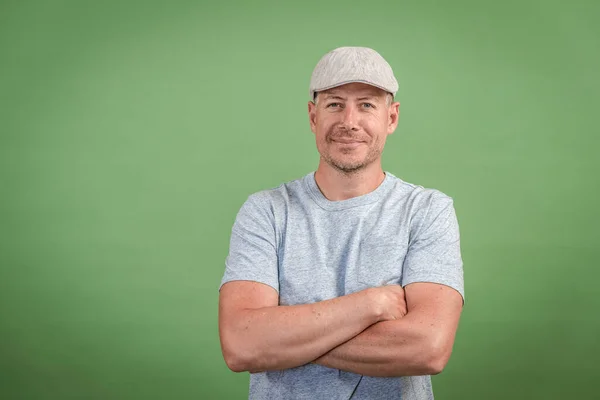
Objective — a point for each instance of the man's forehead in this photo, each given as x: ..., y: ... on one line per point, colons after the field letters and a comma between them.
x: 355, y: 89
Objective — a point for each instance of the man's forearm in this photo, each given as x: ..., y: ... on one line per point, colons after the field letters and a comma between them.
x: 390, y: 348
x: 280, y: 337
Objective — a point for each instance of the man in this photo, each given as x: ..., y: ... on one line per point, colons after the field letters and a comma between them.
x: 347, y: 283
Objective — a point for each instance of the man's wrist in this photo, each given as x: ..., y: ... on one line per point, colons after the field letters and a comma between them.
x: 376, y: 311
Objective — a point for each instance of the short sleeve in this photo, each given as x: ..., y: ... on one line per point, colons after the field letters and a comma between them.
x: 252, y: 248
x: 434, y: 250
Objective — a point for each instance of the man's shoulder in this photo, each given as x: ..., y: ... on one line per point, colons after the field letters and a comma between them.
x: 279, y: 195
x: 418, y: 194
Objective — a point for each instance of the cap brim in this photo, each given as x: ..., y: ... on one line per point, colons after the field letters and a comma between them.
x: 315, y: 91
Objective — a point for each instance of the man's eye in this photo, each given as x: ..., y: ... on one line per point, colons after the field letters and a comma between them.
x: 367, y: 105
x: 333, y: 105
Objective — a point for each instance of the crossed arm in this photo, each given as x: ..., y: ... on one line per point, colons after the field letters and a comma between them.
x: 359, y: 332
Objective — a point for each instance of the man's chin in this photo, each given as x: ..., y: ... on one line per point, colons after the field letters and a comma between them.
x: 347, y: 167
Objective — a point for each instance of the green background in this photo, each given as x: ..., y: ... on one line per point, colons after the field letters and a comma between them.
x: 132, y: 132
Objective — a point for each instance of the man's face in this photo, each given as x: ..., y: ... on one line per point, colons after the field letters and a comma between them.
x: 351, y: 123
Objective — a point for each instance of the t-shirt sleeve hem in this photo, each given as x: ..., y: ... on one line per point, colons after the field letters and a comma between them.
x: 258, y: 280
x: 434, y: 278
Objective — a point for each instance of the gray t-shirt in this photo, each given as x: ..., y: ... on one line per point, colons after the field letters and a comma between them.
x: 310, y: 249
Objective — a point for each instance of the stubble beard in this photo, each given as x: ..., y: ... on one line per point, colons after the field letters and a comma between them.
x: 352, y: 166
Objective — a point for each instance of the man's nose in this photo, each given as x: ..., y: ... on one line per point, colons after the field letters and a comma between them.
x: 350, y: 118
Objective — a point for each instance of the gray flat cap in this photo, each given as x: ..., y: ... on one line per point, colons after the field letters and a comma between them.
x: 352, y: 64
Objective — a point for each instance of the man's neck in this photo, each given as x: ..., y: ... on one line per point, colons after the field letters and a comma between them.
x: 338, y: 185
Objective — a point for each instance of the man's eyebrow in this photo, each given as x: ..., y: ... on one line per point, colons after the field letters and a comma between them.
x: 334, y: 96
x: 369, y: 97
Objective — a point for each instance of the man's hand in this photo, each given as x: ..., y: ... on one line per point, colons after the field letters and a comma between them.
x: 390, y: 301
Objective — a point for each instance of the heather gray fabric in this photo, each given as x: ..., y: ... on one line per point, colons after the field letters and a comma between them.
x: 311, y: 249
x: 352, y: 64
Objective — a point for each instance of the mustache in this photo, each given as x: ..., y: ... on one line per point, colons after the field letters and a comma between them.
x: 345, y: 134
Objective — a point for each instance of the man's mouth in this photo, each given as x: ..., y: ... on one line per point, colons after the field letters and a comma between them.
x: 346, y: 140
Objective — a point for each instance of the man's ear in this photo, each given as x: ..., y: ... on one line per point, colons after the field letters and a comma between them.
x: 312, y: 116
x: 393, y: 115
